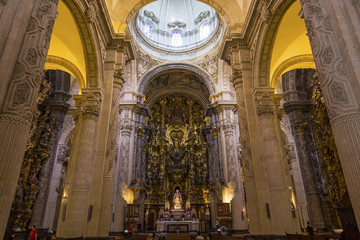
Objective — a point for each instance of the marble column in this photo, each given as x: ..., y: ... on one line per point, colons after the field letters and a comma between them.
x: 122, y: 181
x: 215, y: 167
x: 246, y: 155
x: 82, y: 163
x: 238, y: 213
x: 108, y: 178
x: 278, y: 205
x: 332, y: 29
x: 297, y: 97
x: 26, y: 34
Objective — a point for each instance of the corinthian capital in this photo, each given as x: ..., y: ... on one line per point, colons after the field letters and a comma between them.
x: 229, y: 129
x: 91, y: 102
x: 264, y: 99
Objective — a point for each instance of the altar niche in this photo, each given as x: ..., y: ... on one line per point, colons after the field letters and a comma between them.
x: 177, y: 179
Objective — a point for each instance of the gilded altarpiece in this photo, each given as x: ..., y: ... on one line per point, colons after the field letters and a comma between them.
x: 176, y: 153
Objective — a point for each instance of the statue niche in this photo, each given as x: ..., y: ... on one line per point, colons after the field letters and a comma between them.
x: 177, y: 151
x: 176, y: 154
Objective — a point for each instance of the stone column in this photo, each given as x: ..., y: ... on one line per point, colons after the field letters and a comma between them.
x: 246, y: 156
x: 107, y: 188
x: 239, y: 218
x: 297, y: 105
x: 332, y: 29
x: 278, y: 206
x: 26, y: 33
x: 82, y: 162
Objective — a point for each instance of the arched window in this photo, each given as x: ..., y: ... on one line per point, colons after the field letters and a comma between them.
x: 148, y: 30
x: 176, y: 39
x: 204, y: 31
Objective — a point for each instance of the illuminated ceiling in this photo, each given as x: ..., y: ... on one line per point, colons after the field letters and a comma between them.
x: 66, y: 52
x: 176, y: 25
x: 292, y: 47
x: 232, y: 12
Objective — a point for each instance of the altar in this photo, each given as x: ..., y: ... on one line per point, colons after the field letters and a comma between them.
x: 175, y: 226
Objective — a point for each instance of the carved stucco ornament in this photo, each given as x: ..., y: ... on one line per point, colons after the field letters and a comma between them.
x: 210, y: 64
x: 145, y: 62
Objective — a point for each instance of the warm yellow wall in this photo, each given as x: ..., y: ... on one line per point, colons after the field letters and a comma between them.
x: 66, y: 44
x: 291, y: 43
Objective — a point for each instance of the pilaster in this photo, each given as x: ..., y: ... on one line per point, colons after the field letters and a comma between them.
x: 247, y: 157
x: 77, y: 204
x: 278, y: 205
x: 111, y: 153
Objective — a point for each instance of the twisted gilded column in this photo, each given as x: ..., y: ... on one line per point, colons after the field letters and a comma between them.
x: 77, y: 206
x: 331, y: 26
x: 279, y: 208
x: 105, y: 207
x: 26, y: 34
x: 246, y: 155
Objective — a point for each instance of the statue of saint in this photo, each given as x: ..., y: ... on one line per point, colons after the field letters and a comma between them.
x: 177, y: 151
x: 177, y: 200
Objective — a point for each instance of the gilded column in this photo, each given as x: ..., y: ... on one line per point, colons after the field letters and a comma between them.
x: 297, y: 105
x: 26, y: 34
x: 279, y: 208
x: 246, y: 155
x: 331, y: 26
x: 82, y: 164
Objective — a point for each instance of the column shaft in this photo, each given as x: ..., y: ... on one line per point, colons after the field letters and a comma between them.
x: 271, y: 156
x: 23, y: 50
x: 246, y: 156
x: 331, y: 27
x: 77, y: 203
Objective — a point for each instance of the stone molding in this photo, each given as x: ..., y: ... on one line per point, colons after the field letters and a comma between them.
x: 15, y: 120
x: 352, y: 117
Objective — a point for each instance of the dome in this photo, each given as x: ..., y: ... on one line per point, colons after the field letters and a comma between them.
x: 176, y: 26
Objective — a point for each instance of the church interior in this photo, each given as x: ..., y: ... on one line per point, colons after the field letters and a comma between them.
x: 178, y: 117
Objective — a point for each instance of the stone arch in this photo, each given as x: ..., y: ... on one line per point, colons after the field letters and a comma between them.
x: 303, y: 61
x: 76, y: 8
x: 58, y: 63
x: 265, y: 45
x: 147, y: 78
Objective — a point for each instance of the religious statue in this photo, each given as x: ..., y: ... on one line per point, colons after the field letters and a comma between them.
x: 177, y: 151
x: 177, y: 200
